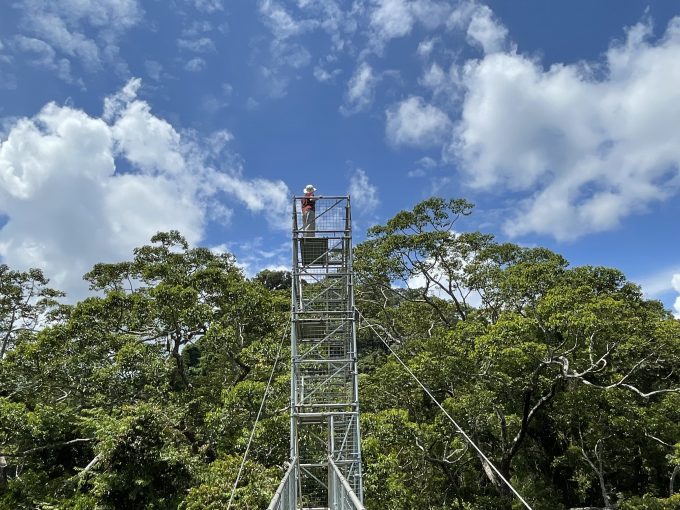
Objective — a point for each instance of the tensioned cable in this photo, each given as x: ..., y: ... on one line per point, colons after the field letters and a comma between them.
x: 458, y: 427
x: 257, y: 418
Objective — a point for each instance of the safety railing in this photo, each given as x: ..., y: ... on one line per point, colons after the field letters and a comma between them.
x: 341, y: 495
x: 285, y: 497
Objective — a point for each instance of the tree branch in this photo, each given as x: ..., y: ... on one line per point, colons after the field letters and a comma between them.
x: 26, y: 453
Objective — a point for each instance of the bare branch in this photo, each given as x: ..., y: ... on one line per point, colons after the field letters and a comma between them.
x: 26, y: 453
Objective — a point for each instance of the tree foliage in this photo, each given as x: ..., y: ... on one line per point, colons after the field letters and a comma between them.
x: 553, y: 371
x: 143, y: 395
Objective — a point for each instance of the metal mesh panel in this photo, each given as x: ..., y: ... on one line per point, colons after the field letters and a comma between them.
x: 313, y: 486
x: 329, y: 217
x: 285, y: 497
x: 341, y: 495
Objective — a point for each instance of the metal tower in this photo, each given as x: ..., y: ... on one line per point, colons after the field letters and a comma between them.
x: 325, y: 455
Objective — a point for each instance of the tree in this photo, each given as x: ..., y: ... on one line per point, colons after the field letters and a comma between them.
x: 112, y: 406
x: 275, y: 280
x: 25, y: 303
x: 541, y: 332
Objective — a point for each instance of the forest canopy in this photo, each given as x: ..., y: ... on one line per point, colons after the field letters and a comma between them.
x: 143, y: 395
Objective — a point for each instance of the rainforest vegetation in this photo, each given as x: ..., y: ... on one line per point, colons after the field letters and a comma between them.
x: 143, y: 395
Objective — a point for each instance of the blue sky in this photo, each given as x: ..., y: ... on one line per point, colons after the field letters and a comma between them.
x: 119, y: 118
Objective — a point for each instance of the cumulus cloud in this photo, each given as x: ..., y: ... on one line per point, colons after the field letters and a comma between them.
x: 584, y: 149
x: 446, y: 86
x: 78, y: 189
x: 364, y: 194
x: 675, y: 281
x: 416, y: 123
x: 392, y: 19
x: 270, y: 198
x: 360, y: 90
x: 482, y: 28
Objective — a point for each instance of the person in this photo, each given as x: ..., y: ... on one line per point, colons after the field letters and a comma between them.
x: 308, y: 211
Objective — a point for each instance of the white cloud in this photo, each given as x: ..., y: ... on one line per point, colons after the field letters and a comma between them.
x: 285, y: 56
x: 364, y: 194
x: 486, y: 32
x: 325, y: 15
x: 425, y: 48
x: 200, y: 45
x: 324, y: 75
x: 270, y: 198
x: 195, y: 65
x: 675, y: 282
x: 446, y: 86
x: 153, y: 69
x: 427, y: 162
x: 392, y: 19
x: 360, y: 90
x: 78, y: 189
x: 321, y: 74
x: 585, y: 150
x: 87, y: 30
x: 42, y: 55
x: 212, y: 104
x: 208, y: 6
x: 422, y: 166
x: 195, y: 29
x: 416, y: 123
x: 658, y: 283
x: 481, y: 27
x: 280, y: 21
x: 7, y: 79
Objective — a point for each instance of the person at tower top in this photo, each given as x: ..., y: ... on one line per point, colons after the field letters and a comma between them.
x: 308, y: 211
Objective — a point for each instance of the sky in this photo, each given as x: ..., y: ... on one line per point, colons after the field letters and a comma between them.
x: 121, y: 118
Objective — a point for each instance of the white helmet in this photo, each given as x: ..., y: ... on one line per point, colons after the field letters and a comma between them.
x: 310, y: 189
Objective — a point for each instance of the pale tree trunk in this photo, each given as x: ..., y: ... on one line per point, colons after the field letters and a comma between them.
x: 599, y: 471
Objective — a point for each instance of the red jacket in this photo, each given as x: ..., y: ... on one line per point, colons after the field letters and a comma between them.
x: 308, y: 202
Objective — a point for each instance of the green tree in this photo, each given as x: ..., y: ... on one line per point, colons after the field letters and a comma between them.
x: 25, y: 303
x: 111, y: 407
x: 541, y: 334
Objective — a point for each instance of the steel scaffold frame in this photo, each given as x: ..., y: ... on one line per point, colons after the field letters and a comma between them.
x: 325, y: 448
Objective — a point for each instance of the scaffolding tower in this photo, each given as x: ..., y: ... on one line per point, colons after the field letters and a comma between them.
x: 325, y: 454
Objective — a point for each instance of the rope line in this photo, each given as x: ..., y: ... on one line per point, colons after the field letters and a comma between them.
x: 257, y: 419
x: 458, y: 427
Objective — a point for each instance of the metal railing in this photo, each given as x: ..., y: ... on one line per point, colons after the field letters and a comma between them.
x: 341, y: 495
x: 285, y: 497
